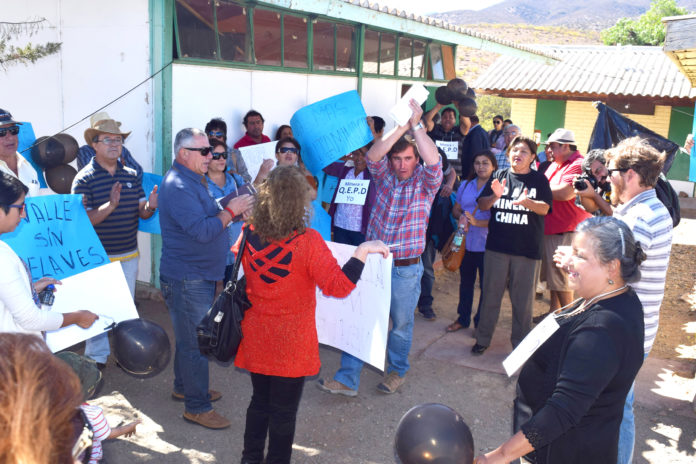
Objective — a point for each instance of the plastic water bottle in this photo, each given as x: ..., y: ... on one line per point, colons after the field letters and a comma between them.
x: 458, y: 239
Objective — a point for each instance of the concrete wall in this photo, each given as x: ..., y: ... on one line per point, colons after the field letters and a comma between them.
x: 105, y: 52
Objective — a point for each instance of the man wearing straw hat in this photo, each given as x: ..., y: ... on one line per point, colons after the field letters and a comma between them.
x: 114, y: 199
x: 86, y: 153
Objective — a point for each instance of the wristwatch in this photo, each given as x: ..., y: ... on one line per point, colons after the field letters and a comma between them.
x: 418, y: 126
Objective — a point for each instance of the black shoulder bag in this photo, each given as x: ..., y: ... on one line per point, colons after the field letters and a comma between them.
x: 220, y: 332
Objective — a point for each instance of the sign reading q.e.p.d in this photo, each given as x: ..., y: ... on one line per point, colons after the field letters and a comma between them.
x: 352, y: 191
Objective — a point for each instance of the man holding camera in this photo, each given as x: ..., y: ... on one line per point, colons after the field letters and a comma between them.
x: 565, y: 215
x: 592, y: 188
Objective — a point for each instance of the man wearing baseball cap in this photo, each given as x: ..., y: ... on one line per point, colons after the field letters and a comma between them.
x: 565, y: 215
x: 12, y: 162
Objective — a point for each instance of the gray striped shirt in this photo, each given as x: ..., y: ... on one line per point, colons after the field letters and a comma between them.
x: 651, y: 224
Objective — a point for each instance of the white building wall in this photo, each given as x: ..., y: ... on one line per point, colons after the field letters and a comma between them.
x: 105, y: 52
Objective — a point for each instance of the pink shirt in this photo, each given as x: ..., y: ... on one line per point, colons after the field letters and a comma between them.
x: 564, y: 215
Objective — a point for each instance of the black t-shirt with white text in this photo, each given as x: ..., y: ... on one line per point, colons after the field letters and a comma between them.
x: 513, y: 229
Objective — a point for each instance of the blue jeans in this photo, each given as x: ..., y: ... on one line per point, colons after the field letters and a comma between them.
x: 472, y: 262
x: 188, y: 301
x: 405, y: 289
x: 425, y: 301
x: 98, y: 347
x: 627, y: 431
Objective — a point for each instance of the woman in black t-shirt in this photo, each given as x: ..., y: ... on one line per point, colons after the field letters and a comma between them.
x: 519, y: 198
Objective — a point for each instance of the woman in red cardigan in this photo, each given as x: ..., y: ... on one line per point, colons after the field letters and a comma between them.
x: 284, y: 262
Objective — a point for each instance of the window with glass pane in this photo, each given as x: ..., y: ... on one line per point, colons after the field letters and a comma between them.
x: 345, y: 48
x: 194, y: 20
x: 405, y: 53
x: 387, y: 50
x: 323, y: 45
x: 267, y: 37
x: 295, y: 41
x: 437, y: 71
x: 232, y: 29
x: 418, y: 57
x: 371, y: 52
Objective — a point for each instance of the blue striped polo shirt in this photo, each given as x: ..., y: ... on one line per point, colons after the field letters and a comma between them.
x: 119, y: 231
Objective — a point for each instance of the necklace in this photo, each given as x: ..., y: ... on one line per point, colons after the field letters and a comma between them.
x: 583, y: 305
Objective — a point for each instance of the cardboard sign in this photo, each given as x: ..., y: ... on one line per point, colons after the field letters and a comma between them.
x: 451, y: 148
x: 56, y: 239
x: 401, y: 112
x: 255, y: 154
x: 352, y: 191
x: 103, y: 291
x: 150, y: 225
x: 330, y: 128
x: 359, y: 323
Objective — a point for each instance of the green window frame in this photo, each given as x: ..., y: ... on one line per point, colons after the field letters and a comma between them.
x: 233, y: 44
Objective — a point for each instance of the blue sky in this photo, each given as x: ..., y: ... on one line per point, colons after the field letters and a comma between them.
x: 437, y: 6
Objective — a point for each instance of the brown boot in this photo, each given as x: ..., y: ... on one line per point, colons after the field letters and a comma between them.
x: 209, y: 419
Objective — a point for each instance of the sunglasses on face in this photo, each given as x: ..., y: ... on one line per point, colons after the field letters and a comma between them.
x: 203, y: 151
x: 216, y: 134
x: 218, y: 155
x: 497, y: 122
x: 13, y: 130
x: 610, y: 171
x: 289, y: 150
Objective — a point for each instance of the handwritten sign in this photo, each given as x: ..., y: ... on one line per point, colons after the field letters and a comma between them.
x: 352, y: 191
x: 320, y: 220
x: 103, y: 291
x: 255, y: 154
x: 401, y: 112
x: 359, y: 323
x: 330, y: 128
x: 150, y: 225
x: 56, y: 238
x: 451, y: 148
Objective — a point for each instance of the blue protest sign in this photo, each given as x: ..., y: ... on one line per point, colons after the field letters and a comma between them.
x: 56, y: 238
x: 150, y: 225
x: 321, y: 221
x: 330, y: 128
x: 26, y: 139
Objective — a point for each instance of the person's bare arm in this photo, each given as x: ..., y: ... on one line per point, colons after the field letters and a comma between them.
x: 516, y: 447
x: 428, y: 118
x: 563, y: 192
x: 381, y: 146
x: 127, y: 430
x: 486, y: 203
x: 147, y: 208
x: 536, y: 206
x: 448, y: 183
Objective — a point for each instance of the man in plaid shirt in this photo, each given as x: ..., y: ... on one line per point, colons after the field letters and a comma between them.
x: 405, y: 193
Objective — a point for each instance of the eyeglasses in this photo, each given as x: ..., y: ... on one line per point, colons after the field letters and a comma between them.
x: 289, y: 150
x: 203, y: 151
x: 617, y: 170
x: 21, y: 207
x: 218, y: 155
x: 111, y: 141
x: 216, y: 134
x: 13, y: 130
x: 497, y: 122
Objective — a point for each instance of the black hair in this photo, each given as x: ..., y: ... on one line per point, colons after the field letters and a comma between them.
x: 449, y: 108
x: 11, y: 189
x: 509, y: 121
x: 216, y: 123
x: 488, y: 154
x: 474, y: 119
x: 378, y: 123
x: 288, y: 140
x: 498, y: 116
x: 280, y: 130
x: 252, y: 113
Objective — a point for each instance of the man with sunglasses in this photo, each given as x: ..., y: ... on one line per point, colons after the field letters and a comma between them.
x: 195, y: 243
x: 114, y: 199
x: 12, y: 162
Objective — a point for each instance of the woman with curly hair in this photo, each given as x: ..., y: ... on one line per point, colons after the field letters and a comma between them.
x: 284, y: 261
x: 39, y: 400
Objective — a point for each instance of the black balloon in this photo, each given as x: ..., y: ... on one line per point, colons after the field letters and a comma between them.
x: 435, y: 434
x: 60, y: 178
x: 457, y: 88
x: 141, y: 347
x: 70, y: 147
x: 49, y: 152
x: 467, y: 107
x: 443, y: 95
x: 470, y: 93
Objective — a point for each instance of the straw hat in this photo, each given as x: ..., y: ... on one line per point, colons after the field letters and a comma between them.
x: 101, y: 123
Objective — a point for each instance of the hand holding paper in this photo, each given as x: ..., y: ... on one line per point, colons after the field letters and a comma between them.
x: 402, y: 111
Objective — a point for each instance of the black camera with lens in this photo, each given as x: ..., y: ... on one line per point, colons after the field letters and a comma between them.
x: 579, y: 183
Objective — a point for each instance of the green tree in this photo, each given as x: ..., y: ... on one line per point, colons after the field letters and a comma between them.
x: 490, y: 106
x: 11, y: 54
x: 647, y: 29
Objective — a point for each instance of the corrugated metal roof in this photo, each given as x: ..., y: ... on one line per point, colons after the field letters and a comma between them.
x: 590, y: 70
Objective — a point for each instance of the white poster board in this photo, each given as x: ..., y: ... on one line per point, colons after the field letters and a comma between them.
x: 255, y: 154
x: 352, y: 191
x: 358, y: 324
x: 401, y: 112
x: 102, y: 290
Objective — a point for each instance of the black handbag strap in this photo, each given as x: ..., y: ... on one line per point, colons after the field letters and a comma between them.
x: 238, y: 260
